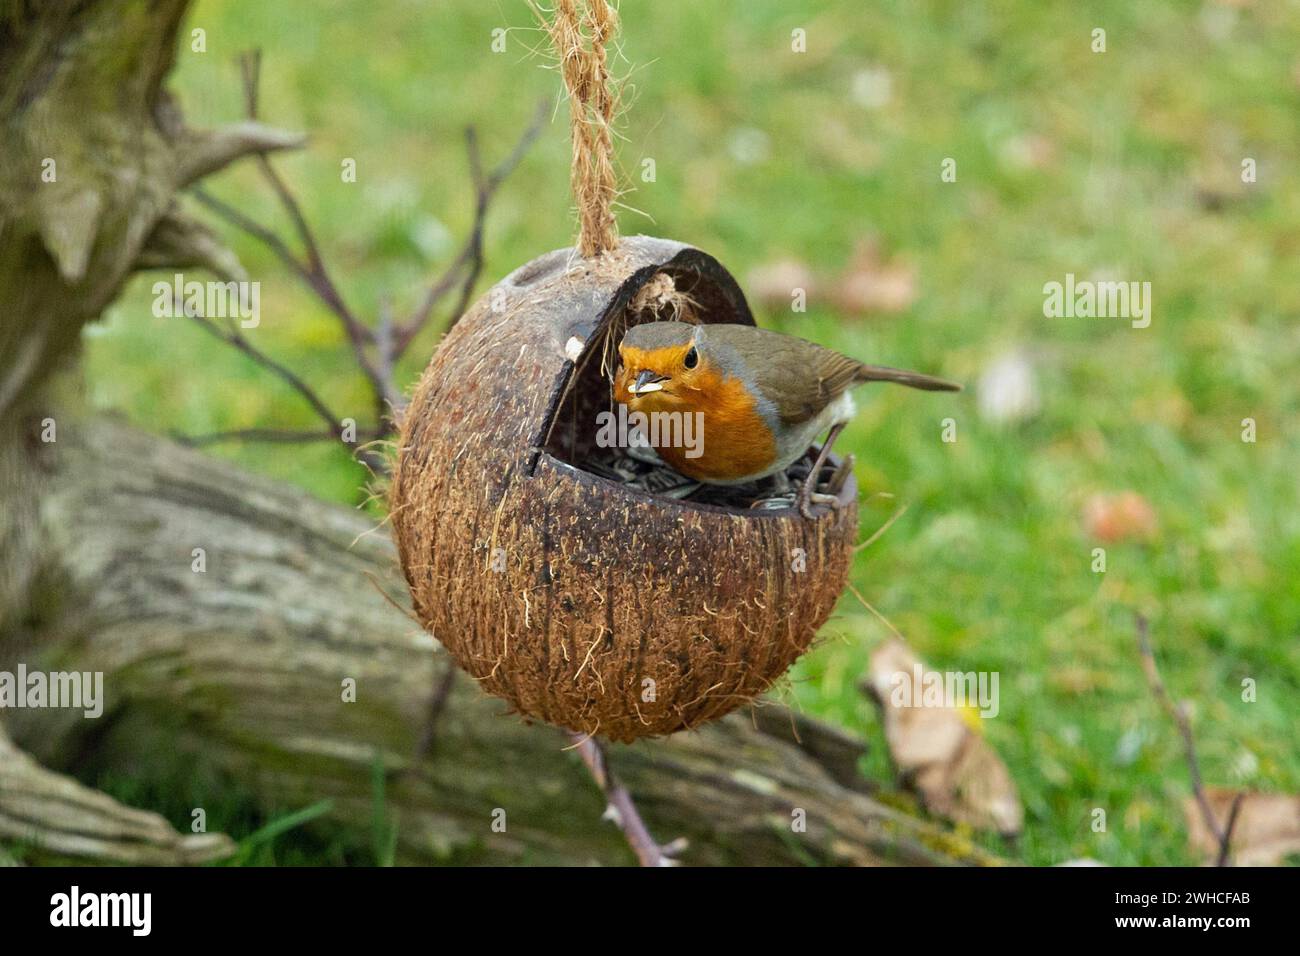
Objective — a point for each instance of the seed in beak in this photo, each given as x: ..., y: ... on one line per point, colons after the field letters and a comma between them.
x: 647, y: 381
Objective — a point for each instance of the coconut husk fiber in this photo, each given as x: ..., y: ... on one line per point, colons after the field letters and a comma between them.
x: 580, y: 600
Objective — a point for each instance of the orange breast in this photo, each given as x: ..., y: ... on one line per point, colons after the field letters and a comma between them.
x: 732, y: 439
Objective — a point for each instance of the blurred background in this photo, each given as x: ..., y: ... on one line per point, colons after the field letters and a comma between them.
x: 823, y: 170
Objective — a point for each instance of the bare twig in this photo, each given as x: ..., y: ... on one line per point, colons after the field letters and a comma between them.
x: 376, y: 350
x: 437, y: 704
x: 250, y: 70
x: 232, y: 336
x: 1225, y: 845
x: 621, y: 809
x: 469, y: 261
x: 359, y: 335
x: 390, y: 417
x: 250, y: 66
x: 277, y: 435
x: 257, y: 231
x: 1222, y: 835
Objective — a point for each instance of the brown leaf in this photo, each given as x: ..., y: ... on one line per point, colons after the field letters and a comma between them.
x: 1267, y: 829
x: 773, y: 285
x: 1120, y: 517
x: 870, y: 284
x: 955, y: 771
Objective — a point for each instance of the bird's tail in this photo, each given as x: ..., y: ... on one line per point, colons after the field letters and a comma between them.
x: 882, y: 373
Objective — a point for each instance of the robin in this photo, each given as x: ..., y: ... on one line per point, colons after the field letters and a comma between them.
x: 763, y: 397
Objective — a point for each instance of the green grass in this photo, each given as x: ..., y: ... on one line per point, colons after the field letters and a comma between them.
x: 989, y: 568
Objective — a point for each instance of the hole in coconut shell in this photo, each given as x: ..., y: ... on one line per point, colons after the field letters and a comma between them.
x: 672, y: 292
x: 540, y: 268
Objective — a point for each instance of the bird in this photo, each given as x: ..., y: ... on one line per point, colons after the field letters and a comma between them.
x: 764, y: 397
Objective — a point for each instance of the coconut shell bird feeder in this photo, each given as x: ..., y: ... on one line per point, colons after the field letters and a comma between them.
x: 593, y: 603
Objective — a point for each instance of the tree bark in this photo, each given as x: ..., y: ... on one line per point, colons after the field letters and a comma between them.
x: 242, y: 653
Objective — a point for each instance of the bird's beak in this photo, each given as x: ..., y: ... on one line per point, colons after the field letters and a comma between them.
x: 647, y: 382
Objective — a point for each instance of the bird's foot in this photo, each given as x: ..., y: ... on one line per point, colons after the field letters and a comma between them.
x: 841, y: 475
x: 809, y: 499
x: 808, y: 495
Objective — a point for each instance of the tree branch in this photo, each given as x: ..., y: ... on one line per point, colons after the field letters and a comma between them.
x: 233, y: 336
x: 61, y: 817
x: 621, y: 808
x: 179, y: 242
x: 257, y: 231
x: 1225, y: 844
x: 203, y: 152
x: 1222, y: 834
x: 272, y: 435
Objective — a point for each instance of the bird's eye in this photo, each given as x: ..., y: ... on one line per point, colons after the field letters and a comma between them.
x: 692, y: 358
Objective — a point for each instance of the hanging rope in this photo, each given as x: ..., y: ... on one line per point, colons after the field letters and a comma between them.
x: 579, y: 37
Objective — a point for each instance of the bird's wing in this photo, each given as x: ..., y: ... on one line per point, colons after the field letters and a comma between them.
x: 807, y: 380
x: 801, y: 378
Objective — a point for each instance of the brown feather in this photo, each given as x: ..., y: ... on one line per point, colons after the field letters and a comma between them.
x: 801, y: 378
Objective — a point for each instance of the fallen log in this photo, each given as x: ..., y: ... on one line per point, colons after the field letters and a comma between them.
x: 281, y: 666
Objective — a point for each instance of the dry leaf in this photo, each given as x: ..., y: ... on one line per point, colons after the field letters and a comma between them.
x: 774, y: 284
x: 871, y: 284
x: 868, y: 284
x: 955, y: 771
x: 1120, y: 517
x: 1267, y: 829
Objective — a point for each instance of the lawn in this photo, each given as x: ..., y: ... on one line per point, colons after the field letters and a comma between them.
x: 1123, y: 164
